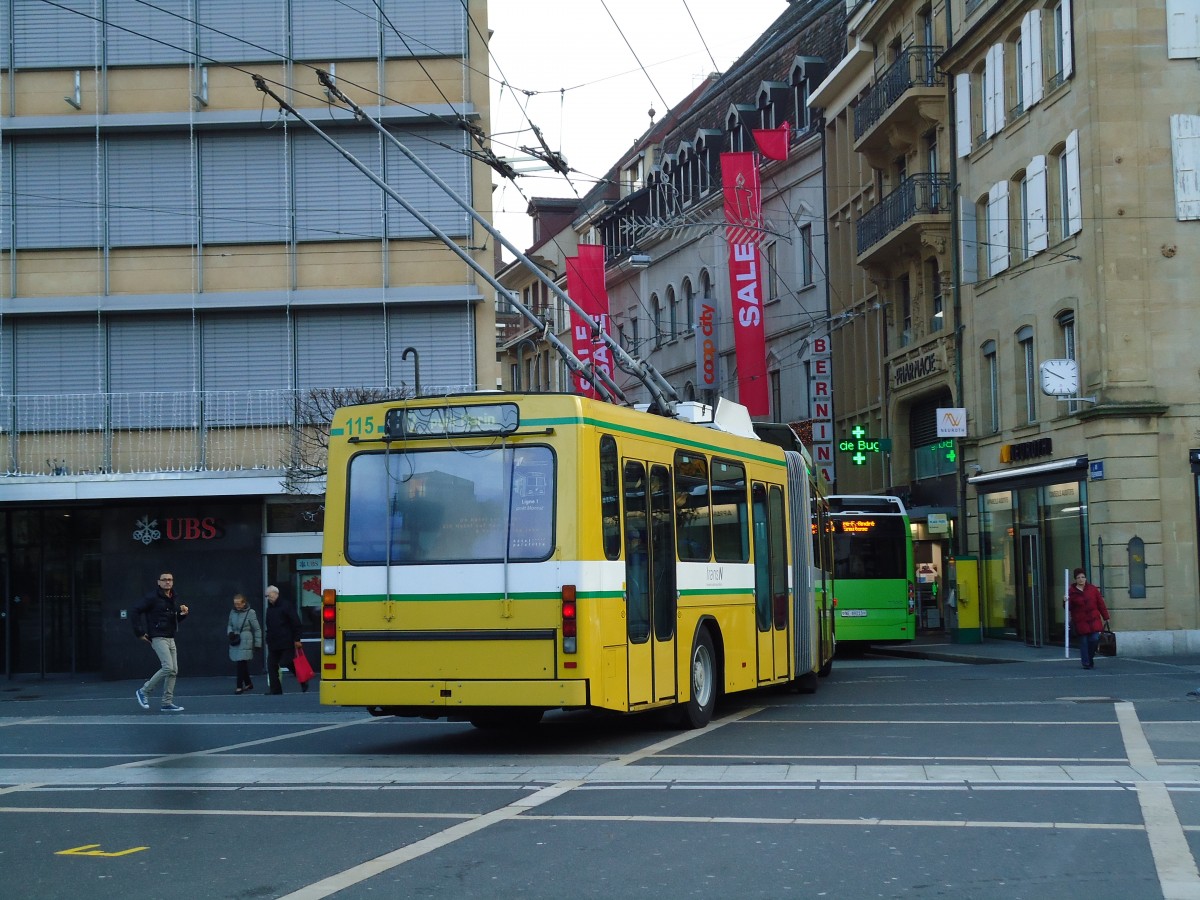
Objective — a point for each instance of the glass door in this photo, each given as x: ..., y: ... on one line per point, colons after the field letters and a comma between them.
x: 1031, y: 599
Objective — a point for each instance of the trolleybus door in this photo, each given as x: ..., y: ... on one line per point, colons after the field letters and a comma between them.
x: 772, y: 612
x: 649, y: 582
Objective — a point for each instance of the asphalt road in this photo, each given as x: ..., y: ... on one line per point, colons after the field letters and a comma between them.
x: 899, y: 778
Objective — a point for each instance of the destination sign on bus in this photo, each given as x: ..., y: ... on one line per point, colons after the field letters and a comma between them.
x: 442, y: 421
x: 855, y: 526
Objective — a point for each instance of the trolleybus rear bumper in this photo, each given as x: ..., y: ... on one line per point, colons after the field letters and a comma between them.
x: 443, y: 697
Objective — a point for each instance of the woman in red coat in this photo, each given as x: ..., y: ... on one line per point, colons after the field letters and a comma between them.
x: 1089, y: 616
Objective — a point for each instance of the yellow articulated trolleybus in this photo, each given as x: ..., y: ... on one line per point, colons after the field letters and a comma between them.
x: 490, y: 556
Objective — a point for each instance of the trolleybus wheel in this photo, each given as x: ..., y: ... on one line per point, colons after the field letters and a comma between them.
x: 698, y: 710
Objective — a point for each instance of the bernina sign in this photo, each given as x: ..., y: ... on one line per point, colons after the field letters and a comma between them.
x: 915, y: 369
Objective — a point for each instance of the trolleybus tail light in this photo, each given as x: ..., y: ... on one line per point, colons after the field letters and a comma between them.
x: 569, y: 620
x: 328, y: 621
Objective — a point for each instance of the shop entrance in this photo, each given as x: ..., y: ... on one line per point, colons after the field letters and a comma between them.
x: 1031, y: 600
x: 52, y: 593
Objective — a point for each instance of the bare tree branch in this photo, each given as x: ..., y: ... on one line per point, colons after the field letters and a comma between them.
x: 309, y: 446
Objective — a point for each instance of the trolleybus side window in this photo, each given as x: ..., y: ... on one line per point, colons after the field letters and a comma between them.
x: 779, y: 588
x: 610, y: 498
x: 770, y: 558
x: 662, y: 551
x: 693, y: 509
x: 637, y: 556
x: 434, y: 506
x: 731, y: 539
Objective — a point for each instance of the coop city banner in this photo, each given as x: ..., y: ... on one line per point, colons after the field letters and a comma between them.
x: 585, y: 285
x: 743, y: 233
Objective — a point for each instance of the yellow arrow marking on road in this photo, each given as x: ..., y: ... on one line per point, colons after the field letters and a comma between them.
x: 89, y: 850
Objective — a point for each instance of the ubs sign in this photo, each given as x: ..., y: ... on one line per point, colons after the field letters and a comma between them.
x: 178, y: 528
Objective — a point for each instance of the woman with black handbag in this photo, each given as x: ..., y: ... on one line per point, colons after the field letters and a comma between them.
x: 1089, y: 616
x: 245, y: 636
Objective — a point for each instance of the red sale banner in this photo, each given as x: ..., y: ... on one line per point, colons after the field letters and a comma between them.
x: 743, y: 232
x: 586, y: 286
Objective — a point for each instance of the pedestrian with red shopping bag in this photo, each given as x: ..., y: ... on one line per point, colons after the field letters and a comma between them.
x: 283, y: 641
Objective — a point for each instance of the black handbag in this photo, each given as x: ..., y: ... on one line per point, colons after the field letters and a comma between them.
x: 234, y: 639
x: 1108, y: 643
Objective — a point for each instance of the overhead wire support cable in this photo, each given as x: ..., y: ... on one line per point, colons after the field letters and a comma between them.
x: 662, y: 393
x: 606, y: 386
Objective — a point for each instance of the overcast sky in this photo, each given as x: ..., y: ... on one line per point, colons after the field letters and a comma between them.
x: 566, y: 65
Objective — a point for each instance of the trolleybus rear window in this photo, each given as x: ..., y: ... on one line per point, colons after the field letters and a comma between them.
x: 434, y: 506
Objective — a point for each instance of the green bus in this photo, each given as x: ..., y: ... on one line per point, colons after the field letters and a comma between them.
x: 873, y: 568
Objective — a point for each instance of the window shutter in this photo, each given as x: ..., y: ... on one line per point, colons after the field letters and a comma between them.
x: 152, y: 371
x: 1074, y: 201
x: 443, y: 339
x: 54, y: 201
x: 997, y: 221
x: 1068, y: 63
x: 238, y: 31
x: 1183, y: 29
x: 989, y: 93
x: 150, y: 189
x: 1031, y: 65
x: 347, y: 29
x: 62, y: 35
x: 52, y: 358
x: 968, y: 241
x: 335, y: 201
x: 444, y: 151
x: 1185, y: 154
x: 998, y: 117
x: 1035, y: 193
x: 244, y: 197
x: 428, y: 27
x: 146, y: 35
x: 246, y: 370
x: 340, y: 348
x: 962, y: 113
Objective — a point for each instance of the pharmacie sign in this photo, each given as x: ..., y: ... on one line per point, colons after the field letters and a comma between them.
x: 914, y: 369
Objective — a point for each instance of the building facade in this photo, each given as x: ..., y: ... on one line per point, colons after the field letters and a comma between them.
x: 894, y: 327
x: 190, y: 278
x: 1011, y: 204
x: 1079, y: 230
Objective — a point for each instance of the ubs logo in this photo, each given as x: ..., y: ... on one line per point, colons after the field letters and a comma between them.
x: 178, y: 528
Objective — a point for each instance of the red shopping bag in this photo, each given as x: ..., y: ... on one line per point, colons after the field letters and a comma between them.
x: 304, y: 672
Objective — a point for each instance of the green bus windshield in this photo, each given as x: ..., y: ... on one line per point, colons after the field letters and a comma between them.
x: 870, y: 546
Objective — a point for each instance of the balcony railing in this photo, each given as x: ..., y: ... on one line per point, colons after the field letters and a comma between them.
x: 917, y: 195
x: 71, y: 435
x: 914, y: 67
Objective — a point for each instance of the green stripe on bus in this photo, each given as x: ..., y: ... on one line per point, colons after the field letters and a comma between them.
x: 646, y: 433
x: 421, y: 598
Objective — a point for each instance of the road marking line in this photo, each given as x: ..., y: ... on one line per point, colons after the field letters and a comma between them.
x: 1173, y: 861
x: 1177, y: 873
x: 855, y: 823
x: 140, y: 763
x: 675, y: 740
x: 399, y: 857
x: 267, y: 813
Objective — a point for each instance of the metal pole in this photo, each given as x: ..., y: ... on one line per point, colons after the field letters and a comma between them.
x: 416, y: 366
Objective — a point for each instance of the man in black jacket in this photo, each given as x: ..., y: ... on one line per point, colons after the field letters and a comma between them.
x: 283, y: 639
x: 155, y: 621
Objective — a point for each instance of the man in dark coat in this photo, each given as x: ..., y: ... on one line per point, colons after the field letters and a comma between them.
x: 283, y: 639
x: 155, y: 621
